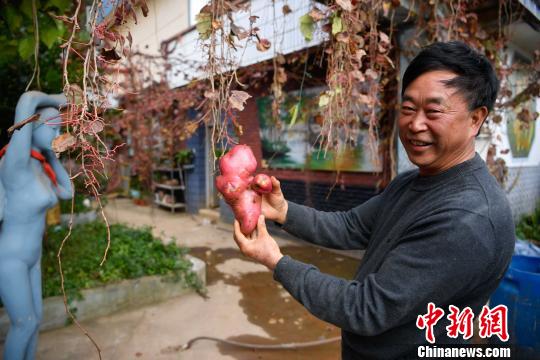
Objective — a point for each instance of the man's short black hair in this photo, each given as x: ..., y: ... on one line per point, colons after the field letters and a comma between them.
x: 476, y: 79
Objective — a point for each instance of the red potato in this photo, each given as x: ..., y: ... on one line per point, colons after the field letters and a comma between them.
x: 238, y: 187
x: 247, y: 210
x: 262, y: 184
x: 239, y: 161
x: 232, y: 186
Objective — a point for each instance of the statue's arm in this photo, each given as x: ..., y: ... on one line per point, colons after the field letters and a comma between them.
x: 17, y: 157
x: 64, y: 190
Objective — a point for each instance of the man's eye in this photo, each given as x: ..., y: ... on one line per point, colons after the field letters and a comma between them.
x: 407, y: 108
x: 433, y: 111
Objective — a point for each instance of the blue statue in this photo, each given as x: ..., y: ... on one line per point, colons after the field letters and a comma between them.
x: 33, y: 179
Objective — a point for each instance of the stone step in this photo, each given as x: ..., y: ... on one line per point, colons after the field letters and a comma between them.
x: 210, y: 214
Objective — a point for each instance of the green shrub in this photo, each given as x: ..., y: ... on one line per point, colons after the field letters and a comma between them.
x: 133, y: 253
x: 529, y: 226
x: 78, y: 205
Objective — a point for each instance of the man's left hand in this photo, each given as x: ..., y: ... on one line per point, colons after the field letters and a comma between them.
x: 259, y: 245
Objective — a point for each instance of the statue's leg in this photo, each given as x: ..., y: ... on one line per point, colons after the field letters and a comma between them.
x: 16, y: 295
x: 35, y: 283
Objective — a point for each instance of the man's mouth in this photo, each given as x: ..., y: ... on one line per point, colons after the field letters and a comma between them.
x: 419, y: 143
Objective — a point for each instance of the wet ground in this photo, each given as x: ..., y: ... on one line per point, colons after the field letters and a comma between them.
x: 243, y: 302
x: 268, y: 305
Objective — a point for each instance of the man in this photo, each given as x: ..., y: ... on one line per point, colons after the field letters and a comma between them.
x: 442, y: 234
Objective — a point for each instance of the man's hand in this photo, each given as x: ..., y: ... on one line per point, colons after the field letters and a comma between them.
x: 274, y: 207
x: 259, y: 246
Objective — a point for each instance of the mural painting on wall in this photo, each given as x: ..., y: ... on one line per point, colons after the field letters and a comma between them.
x: 296, y: 144
x: 520, y: 142
x: 521, y: 134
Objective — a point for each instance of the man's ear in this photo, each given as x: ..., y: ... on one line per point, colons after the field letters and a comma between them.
x: 478, y: 116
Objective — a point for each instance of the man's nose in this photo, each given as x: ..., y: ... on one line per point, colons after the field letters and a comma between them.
x: 418, y: 122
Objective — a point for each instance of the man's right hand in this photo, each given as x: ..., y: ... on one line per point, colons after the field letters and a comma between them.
x: 274, y: 205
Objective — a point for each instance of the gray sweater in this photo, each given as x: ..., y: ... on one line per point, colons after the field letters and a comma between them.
x: 446, y: 239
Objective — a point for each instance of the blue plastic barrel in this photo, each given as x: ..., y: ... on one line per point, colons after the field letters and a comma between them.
x: 520, y: 292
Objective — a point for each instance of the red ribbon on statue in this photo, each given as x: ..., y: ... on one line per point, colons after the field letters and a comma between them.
x: 47, y: 168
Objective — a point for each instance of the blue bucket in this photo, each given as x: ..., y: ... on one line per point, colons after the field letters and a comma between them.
x: 520, y: 292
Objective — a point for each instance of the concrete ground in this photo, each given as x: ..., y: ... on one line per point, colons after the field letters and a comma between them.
x: 243, y: 303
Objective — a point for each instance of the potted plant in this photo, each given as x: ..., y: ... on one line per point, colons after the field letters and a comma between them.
x: 184, y: 157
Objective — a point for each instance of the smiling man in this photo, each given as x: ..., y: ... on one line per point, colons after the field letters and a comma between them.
x: 442, y: 233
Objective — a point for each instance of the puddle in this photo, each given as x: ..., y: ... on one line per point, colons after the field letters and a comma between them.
x: 269, y: 306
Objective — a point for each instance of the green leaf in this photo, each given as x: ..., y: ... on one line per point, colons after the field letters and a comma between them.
x: 14, y: 18
x: 294, y: 110
x: 26, y: 47
x: 62, y: 5
x: 26, y: 8
x: 204, y: 25
x: 49, y: 32
x: 337, y: 25
x: 307, y: 26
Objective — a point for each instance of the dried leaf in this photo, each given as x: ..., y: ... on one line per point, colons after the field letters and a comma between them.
x: 204, y: 25
x: 345, y: 4
x: 384, y: 38
x: 286, y: 9
x: 263, y: 45
x: 360, y: 54
x: 253, y: 18
x: 144, y: 9
x: 324, y: 100
x: 63, y: 142
x: 110, y: 55
x: 281, y: 75
x: 96, y: 126
x: 239, y: 31
x: 209, y: 94
x: 307, y: 26
x: 238, y: 98
x: 216, y: 24
x: 74, y: 94
x: 372, y: 74
x: 343, y: 37
x: 356, y: 74
x: 316, y: 14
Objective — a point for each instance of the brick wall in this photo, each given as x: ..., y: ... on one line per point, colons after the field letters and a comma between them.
x: 526, y: 193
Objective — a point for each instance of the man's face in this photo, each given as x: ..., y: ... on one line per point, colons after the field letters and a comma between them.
x: 435, y: 125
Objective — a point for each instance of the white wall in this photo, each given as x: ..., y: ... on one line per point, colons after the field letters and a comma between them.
x: 166, y: 18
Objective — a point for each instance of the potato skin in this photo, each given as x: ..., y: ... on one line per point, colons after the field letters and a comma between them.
x: 262, y: 184
x: 240, y: 189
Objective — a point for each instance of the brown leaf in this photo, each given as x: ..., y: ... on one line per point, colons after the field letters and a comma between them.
x: 343, y: 37
x: 286, y: 9
x: 356, y: 74
x: 253, y: 18
x: 281, y: 75
x: 144, y: 9
x: 360, y: 54
x: 345, y: 4
x: 384, y: 38
x: 63, y: 142
x: 316, y: 14
x: 238, y: 98
x: 263, y: 45
x: 110, y: 55
x: 209, y: 94
x: 96, y: 126
x: 216, y: 24
x: 372, y: 74
x: 239, y: 31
